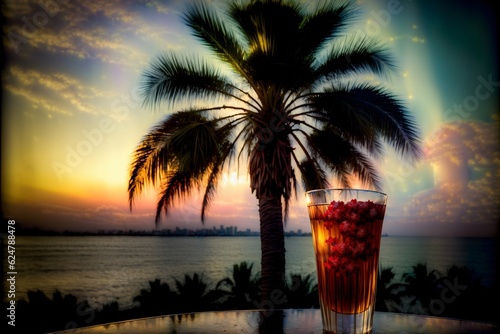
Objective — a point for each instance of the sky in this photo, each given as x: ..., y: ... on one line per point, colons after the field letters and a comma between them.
x: 72, y: 116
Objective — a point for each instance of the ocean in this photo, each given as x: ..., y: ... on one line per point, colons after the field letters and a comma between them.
x: 103, y: 269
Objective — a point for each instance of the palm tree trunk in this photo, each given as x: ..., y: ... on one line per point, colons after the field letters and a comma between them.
x: 272, y: 238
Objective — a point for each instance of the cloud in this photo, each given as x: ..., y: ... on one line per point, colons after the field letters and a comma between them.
x: 55, y: 92
x: 474, y: 143
x: 36, y: 99
x: 159, y: 7
x: 466, y: 194
x: 105, y: 208
x: 108, y: 31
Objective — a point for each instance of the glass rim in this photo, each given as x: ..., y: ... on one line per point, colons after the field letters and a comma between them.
x: 345, y: 189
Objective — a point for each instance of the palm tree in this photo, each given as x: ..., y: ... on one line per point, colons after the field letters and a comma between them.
x: 388, y: 293
x: 302, y: 291
x: 290, y: 99
x: 421, y: 286
x: 193, y: 294
x: 243, y: 287
x: 40, y: 314
x: 158, y: 299
x: 465, y: 295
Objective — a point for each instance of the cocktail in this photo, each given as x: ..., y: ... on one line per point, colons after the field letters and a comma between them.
x: 346, y: 228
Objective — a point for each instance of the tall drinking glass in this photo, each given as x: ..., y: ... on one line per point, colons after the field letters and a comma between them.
x: 346, y: 228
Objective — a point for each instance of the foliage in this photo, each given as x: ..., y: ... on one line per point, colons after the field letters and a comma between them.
x: 422, y: 287
x: 465, y: 296
x: 388, y: 296
x: 40, y: 314
x: 302, y: 292
x: 158, y: 299
x: 193, y: 294
x: 243, y: 287
x: 459, y: 293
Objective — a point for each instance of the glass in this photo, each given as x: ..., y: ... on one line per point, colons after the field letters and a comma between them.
x: 346, y: 229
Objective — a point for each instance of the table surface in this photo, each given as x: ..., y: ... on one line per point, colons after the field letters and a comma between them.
x: 289, y: 321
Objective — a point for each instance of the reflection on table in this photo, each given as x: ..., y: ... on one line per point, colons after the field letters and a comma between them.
x: 280, y: 321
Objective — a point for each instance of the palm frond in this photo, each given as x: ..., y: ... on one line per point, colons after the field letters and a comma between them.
x: 343, y: 158
x: 273, y: 49
x: 262, y: 32
x: 151, y: 157
x: 195, y: 145
x: 332, y: 108
x: 225, y: 152
x: 173, y: 78
x: 177, y: 186
x: 213, y: 31
x: 182, y: 151
x: 325, y: 22
x: 313, y: 176
x: 367, y: 114
x: 200, y: 149
x: 354, y: 55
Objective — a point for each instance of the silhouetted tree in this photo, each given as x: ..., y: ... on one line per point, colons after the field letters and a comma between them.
x: 243, y: 287
x: 40, y: 314
x: 388, y: 298
x: 302, y: 292
x: 193, y: 294
x: 111, y: 312
x: 421, y: 286
x: 294, y: 101
x: 158, y: 299
x: 462, y: 295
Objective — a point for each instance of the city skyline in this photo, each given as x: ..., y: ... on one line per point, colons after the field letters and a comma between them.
x: 177, y: 231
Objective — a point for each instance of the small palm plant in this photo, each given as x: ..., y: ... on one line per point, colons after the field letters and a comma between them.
x: 193, y: 294
x: 293, y: 99
x: 421, y: 285
x: 243, y: 287
x: 388, y: 292
x: 158, y: 299
x: 302, y: 291
x: 465, y: 295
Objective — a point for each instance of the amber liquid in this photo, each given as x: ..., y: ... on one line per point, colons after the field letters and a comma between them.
x: 346, y: 293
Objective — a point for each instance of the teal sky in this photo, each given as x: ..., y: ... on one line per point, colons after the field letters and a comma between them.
x: 71, y: 115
